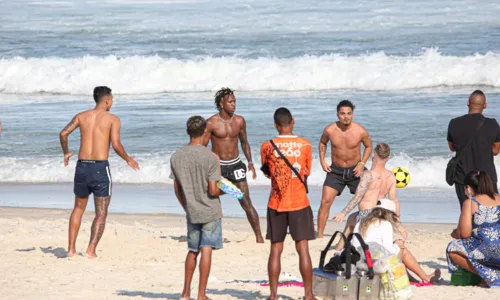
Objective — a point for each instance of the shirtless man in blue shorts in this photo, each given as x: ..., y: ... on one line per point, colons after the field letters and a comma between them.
x: 98, y: 128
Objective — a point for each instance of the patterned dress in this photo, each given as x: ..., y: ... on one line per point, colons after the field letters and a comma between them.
x: 483, y: 247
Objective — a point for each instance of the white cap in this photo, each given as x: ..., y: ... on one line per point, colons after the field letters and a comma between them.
x: 387, y: 204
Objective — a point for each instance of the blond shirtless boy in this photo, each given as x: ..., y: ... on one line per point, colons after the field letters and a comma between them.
x: 376, y: 183
x: 346, y: 138
x: 98, y: 128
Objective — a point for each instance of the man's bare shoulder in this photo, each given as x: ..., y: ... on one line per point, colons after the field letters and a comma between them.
x: 359, y: 127
x: 111, y: 118
x: 388, y: 174
x: 84, y: 113
x: 213, y: 118
x: 239, y: 118
x: 331, y: 128
x: 367, y: 174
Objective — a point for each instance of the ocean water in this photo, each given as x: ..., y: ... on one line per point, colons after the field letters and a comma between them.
x: 408, y: 68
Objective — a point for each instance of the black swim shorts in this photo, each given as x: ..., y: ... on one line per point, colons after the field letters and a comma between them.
x: 92, y: 176
x: 233, y: 170
x: 338, y: 178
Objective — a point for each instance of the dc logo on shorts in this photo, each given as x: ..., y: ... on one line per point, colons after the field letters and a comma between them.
x: 239, y: 174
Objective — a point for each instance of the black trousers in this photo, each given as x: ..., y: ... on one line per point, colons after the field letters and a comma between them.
x: 462, y: 196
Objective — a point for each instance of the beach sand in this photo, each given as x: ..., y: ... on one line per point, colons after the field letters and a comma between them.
x: 141, y: 256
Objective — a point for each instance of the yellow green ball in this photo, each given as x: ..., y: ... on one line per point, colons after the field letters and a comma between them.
x: 402, y: 177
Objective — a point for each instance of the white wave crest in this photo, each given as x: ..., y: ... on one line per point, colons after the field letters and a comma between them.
x: 155, y: 169
x: 154, y: 74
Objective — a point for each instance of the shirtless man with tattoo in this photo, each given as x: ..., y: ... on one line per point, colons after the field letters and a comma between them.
x: 92, y: 175
x: 346, y: 137
x: 375, y: 184
x: 224, y: 129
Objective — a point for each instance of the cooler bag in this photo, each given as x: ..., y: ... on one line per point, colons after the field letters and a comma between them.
x: 335, y: 285
x: 369, y: 283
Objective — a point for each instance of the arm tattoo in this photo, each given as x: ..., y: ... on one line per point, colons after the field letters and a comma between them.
x: 64, y: 144
x: 322, y: 145
x: 244, y: 144
x: 366, y: 178
x: 64, y: 137
x: 70, y: 125
x: 322, y: 150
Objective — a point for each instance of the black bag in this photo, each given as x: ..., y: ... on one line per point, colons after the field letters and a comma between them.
x: 334, y: 265
x: 265, y: 168
x: 451, y: 168
x: 349, y: 256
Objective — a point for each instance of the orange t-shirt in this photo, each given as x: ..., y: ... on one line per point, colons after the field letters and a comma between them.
x: 287, y: 191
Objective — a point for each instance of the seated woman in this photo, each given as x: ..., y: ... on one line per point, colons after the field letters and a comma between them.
x: 477, y: 248
x: 379, y: 226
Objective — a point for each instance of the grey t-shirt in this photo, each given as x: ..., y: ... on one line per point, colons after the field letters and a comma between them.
x: 193, y: 166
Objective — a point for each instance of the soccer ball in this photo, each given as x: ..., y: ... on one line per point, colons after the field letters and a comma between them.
x: 402, y: 177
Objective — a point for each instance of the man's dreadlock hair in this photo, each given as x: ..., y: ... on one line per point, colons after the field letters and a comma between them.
x: 219, y: 96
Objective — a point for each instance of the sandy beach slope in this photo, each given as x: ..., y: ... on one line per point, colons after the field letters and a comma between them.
x: 142, y: 257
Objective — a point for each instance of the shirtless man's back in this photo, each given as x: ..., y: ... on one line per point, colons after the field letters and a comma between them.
x: 224, y: 130
x: 98, y: 128
x: 382, y: 184
x: 375, y: 184
x: 345, y: 137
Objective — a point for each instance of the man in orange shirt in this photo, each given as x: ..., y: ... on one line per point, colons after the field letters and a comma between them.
x: 288, y: 205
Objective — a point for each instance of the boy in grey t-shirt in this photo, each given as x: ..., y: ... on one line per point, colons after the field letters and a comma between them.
x: 196, y: 170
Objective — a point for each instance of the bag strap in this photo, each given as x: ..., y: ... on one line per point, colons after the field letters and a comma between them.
x: 366, y: 250
x: 289, y: 165
x: 472, y: 138
x: 325, y: 251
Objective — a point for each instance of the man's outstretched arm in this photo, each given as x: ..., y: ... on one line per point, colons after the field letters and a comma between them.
x: 118, y: 147
x: 245, y: 146
x: 364, y: 183
x: 63, y: 138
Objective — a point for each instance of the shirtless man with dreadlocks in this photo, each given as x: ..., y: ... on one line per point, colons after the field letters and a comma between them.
x: 223, y: 130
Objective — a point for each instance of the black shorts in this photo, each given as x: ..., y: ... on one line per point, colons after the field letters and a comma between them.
x: 92, y: 176
x: 301, y: 223
x: 338, y: 178
x: 233, y: 170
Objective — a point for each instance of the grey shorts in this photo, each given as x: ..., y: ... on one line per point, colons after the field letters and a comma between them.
x: 362, y: 214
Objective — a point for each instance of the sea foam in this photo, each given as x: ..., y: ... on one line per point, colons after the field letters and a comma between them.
x: 155, y: 74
